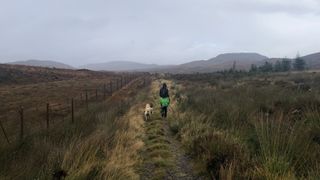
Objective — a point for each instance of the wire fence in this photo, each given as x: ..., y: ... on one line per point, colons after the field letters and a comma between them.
x: 23, y: 121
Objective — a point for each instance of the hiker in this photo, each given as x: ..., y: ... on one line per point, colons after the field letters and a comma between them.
x: 164, y: 100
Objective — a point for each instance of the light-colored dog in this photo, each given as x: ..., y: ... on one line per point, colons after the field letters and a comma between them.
x: 148, y: 111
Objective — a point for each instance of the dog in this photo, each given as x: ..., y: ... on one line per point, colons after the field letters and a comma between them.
x: 148, y: 111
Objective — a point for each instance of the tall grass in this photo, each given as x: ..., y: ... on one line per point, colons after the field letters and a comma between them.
x: 40, y: 154
x: 251, y: 127
x: 94, y: 147
x: 284, y: 147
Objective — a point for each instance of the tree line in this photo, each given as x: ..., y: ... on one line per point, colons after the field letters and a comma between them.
x: 283, y: 65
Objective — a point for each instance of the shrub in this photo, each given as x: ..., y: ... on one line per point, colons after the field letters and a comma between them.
x: 259, y: 130
x: 214, y: 149
x: 284, y: 147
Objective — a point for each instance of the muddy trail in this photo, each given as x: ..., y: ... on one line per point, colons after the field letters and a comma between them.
x: 163, y: 156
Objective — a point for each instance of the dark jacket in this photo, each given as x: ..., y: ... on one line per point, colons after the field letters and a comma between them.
x: 164, y: 92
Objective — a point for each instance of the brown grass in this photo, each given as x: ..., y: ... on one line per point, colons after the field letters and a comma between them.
x: 33, y: 97
x: 102, y: 144
x: 251, y: 127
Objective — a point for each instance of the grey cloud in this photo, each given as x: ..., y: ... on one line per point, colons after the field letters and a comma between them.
x: 167, y: 31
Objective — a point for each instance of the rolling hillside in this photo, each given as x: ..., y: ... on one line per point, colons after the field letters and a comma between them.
x: 221, y: 62
x: 43, y: 63
x: 225, y: 61
x: 21, y: 74
x: 241, y: 61
x: 119, y: 66
x: 312, y: 60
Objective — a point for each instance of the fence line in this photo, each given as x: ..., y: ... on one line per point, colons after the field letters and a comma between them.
x: 21, y: 123
x: 72, y: 111
x: 69, y: 108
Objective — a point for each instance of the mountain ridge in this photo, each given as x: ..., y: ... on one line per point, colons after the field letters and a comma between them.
x: 239, y: 60
x: 227, y: 60
x: 118, y: 66
x: 42, y: 63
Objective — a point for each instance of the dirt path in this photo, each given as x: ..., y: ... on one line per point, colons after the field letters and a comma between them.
x: 147, y: 149
x: 163, y: 155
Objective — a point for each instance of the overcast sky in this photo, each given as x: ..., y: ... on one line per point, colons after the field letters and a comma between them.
x: 78, y: 32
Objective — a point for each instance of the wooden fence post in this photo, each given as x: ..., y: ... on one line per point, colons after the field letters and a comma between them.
x: 104, y: 91
x: 121, y: 82
x: 87, y: 105
x: 72, y: 111
x: 21, y: 123
x: 48, y: 116
x: 117, y: 82
x: 4, y: 132
x: 111, y: 87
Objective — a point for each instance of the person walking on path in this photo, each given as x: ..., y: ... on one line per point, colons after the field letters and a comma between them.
x: 164, y: 100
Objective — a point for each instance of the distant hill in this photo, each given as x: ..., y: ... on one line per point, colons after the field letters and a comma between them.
x: 242, y: 61
x: 221, y: 62
x: 119, y: 66
x: 21, y: 74
x: 226, y: 61
x: 43, y: 63
x: 312, y: 60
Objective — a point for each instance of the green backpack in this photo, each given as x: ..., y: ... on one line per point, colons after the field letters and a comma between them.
x: 164, y: 101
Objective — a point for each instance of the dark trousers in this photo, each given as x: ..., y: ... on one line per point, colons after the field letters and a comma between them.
x: 164, y: 110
